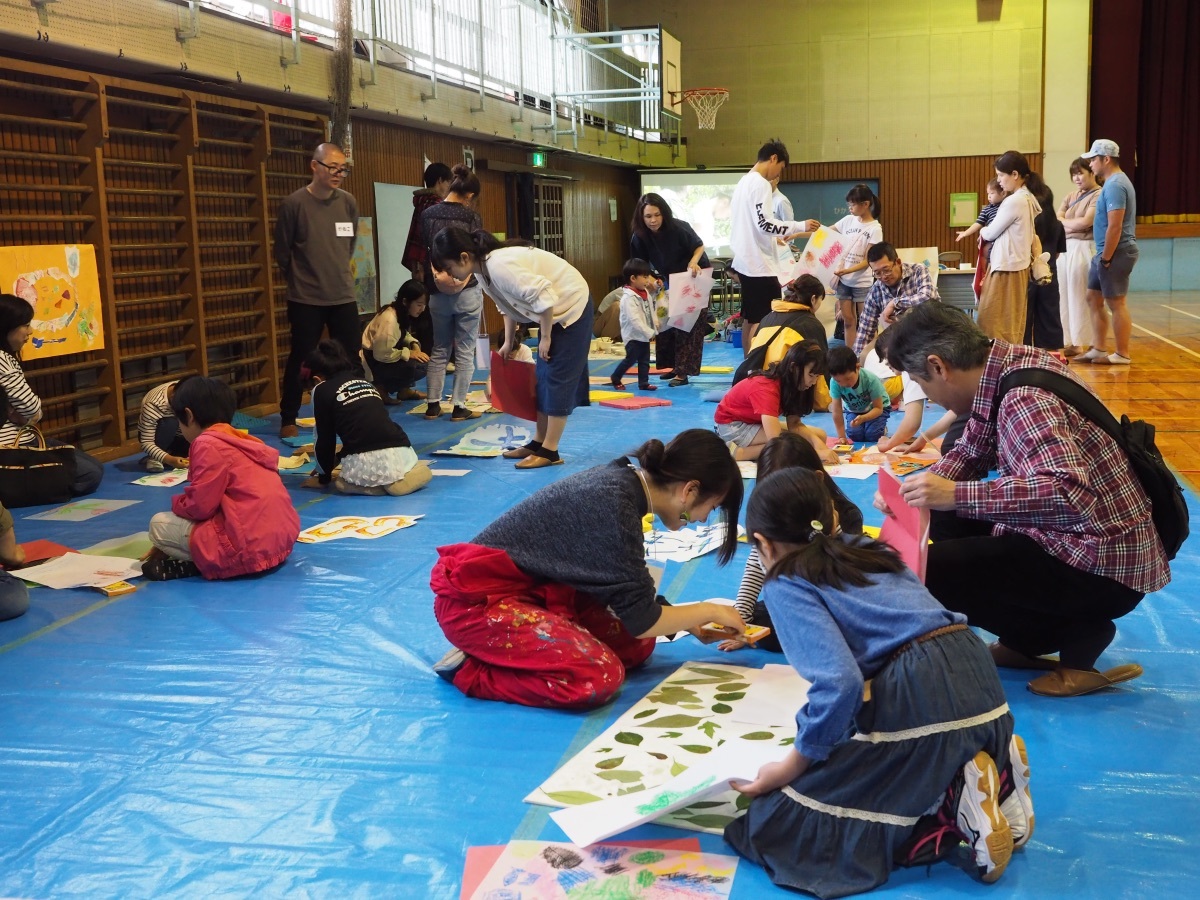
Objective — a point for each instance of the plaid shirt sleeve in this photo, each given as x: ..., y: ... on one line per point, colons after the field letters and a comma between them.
x: 915, y: 288
x: 868, y: 322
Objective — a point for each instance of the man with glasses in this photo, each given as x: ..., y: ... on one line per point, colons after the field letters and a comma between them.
x: 898, y: 287
x: 314, y: 242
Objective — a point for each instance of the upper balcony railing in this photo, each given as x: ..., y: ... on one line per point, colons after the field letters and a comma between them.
x: 524, y: 52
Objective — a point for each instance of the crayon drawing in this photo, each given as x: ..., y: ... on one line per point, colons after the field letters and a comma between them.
x: 62, y: 285
x: 537, y: 870
x: 363, y: 528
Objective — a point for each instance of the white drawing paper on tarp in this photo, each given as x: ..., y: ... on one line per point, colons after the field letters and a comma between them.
x: 822, y: 256
x: 773, y: 698
x: 295, y: 461
x: 748, y: 468
x: 855, y: 471
x: 452, y: 473
x: 685, y: 544
x: 365, y: 528
x: 163, y: 479
x: 490, y: 440
x: 687, y: 298
x: 735, y: 759
x: 79, y: 570
x: 82, y: 510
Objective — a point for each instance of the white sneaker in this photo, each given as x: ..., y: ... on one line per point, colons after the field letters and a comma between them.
x: 1092, y: 355
x: 447, y: 667
x: 1116, y: 359
x: 150, y: 464
x: 1018, y: 806
x: 979, y: 819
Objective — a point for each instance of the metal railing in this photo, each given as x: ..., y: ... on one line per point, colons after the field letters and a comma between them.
x: 523, y: 52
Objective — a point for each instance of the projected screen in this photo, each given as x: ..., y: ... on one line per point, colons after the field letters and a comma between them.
x: 702, y: 200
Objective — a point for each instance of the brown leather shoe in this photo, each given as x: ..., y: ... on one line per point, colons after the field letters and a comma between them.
x: 410, y: 394
x: 1077, y: 682
x: 289, y: 431
x: 517, y: 453
x: 538, y: 462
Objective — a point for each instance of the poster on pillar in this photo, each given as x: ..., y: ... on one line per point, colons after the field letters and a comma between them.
x: 62, y: 284
x: 362, y: 268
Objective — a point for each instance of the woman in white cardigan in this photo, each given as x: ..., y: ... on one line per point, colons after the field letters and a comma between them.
x: 537, y: 287
x: 1003, y: 301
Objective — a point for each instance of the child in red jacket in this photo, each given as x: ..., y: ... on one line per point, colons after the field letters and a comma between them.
x: 235, y: 516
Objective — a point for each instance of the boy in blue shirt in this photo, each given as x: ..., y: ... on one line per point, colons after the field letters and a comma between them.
x: 864, y: 396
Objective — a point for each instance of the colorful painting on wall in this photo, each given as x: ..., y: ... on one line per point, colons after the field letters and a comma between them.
x: 362, y: 267
x: 62, y: 285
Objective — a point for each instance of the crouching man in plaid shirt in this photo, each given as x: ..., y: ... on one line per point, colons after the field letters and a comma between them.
x: 1048, y: 553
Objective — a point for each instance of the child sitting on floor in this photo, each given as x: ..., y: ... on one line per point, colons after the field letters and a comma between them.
x: 904, y: 701
x: 391, y: 354
x: 638, y: 326
x: 235, y: 516
x: 861, y: 394
x: 788, y: 451
x: 748, y: 415
x: 377, y: 457
x: 158, y: 431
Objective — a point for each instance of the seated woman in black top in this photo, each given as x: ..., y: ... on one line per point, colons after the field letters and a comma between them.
x: 377, y: 456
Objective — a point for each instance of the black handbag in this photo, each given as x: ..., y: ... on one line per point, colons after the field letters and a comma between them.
x: 35, y: 474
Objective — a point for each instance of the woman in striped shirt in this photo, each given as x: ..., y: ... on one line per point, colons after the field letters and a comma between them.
x: 21, y: 405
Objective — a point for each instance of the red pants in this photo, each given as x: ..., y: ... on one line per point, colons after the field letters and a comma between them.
x: 528, y: 642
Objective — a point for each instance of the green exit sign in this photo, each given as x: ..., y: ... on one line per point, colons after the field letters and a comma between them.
x: 537, y: 159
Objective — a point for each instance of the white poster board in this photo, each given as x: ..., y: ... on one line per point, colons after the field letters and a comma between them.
x: 393, y: 215
x: 822, y: 256
x: 687, y: 298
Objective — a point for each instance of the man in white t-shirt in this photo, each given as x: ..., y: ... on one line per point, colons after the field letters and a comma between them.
x: 756, y: 236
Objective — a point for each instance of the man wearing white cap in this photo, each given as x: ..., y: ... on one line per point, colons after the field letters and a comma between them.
x: 1116, y: 255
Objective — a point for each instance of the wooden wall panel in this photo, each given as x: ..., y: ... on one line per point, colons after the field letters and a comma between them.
x: 914, y: 194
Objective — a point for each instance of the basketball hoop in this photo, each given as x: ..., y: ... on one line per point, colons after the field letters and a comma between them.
x: 706, y: 102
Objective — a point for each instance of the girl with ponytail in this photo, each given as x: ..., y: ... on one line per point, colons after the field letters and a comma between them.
x: 904, y: 701
x: 853, y: 280
x: 535, y: 287
x: 552, y: 603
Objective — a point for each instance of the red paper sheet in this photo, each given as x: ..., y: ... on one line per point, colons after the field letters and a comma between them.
x: 481, y: 859
x: 37, y: 551
x: 514, y: 387
x: 635, y: 402
x: 907, y: 528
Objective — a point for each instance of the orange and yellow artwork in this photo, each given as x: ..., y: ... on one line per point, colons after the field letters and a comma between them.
x: 62, y: 285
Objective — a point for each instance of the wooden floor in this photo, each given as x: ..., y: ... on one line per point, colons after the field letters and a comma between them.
x: 1162, y: 385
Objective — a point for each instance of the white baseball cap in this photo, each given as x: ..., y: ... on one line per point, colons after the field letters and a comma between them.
x: 1103, y: 147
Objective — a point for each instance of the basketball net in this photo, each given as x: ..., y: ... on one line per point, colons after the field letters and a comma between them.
x: 706, y: 102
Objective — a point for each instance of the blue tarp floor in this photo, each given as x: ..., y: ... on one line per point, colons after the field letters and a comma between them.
x: 285, y: 736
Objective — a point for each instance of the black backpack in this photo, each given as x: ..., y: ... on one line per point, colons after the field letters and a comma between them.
x: 1168, y: 506
x: 755, y: 358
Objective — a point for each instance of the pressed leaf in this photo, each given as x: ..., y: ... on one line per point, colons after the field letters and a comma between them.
x: 572, y: 798
x: 631, y: 790
x: 645, y: 712
x: 735, y: 686
x: 722, y: 708
x: 658, y: 755
x: 743, y: 801
x: 692, y: 748
x: 787, y: 742
x: 708, y: 728
x: 678, y: 721
x: 692, y: 705
x: 709, y: 820
x: 700, y: 680
x: 735, y: 696
x: 671, y: 734
x: 610, y: 763
x: 758, y: 736
x: 625, y: 776
x: 677, y: 769
x: 712, y: 673
x: 706, y: 804
x: 628, y: 737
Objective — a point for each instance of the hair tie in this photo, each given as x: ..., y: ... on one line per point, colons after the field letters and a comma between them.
x: 817, y: 528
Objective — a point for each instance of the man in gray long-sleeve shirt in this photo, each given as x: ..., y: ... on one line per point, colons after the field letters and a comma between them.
x: 314, y: 242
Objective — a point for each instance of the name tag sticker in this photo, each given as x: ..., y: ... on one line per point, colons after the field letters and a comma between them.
x: 344, y: 229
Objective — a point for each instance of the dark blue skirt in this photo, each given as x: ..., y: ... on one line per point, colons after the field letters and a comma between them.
x: 562, y: 381
x: 833, y: 831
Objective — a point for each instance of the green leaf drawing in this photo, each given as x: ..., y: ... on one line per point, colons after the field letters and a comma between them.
x: 743, y: 801
x: 628, y: 737
x: 610, y: 763
x: 658, y: 755
x: 631, y: 790
x: 735, y: 686
x: 572, y: 798
x: 708, y: 728
x: 735, y: 696
x: 670, y: 734
x: 711, y: 673
x: 673, y: 696
x: 787, y: 742
x: 700, y: 680
x: 677, y: 769
x: 722, y: 708
x: 692, y: 748
x: 758, y: 736
x: 645, y: 712
x: 707, y: 820
x: 692, y: 705
x: 625, y: 776
x: 708, y: 804
x: 679, y: 721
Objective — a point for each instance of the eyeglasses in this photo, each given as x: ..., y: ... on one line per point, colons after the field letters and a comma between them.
x: 884, y: 269
x: 333, y: 170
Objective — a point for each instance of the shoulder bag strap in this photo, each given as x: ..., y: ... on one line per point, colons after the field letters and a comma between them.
x: 1068, y: 390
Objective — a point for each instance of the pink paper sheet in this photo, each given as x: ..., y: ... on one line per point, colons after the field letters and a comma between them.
x: 907, y: 528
